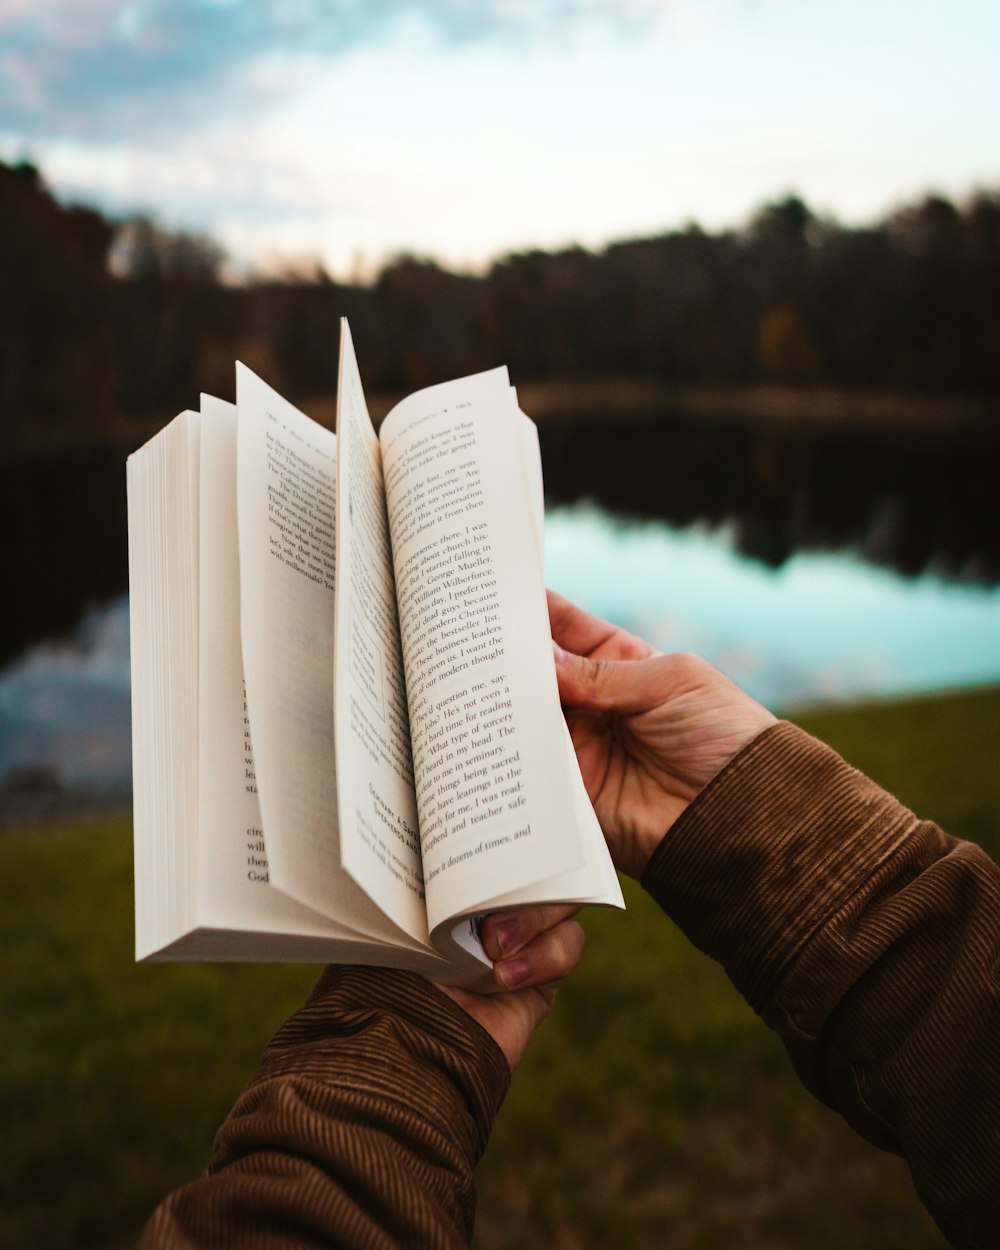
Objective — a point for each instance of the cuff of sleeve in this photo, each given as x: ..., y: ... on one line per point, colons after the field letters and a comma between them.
x: 772, y: 847
x: 392, y: 1034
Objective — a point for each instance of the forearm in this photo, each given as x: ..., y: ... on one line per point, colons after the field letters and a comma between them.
x: 869, y: 940
x: 361, y: 1128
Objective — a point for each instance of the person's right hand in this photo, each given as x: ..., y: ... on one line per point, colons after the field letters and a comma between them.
x: 650, y: 730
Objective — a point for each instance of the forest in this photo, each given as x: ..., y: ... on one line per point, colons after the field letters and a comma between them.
x: 813, y: 383
x: 104, y: 321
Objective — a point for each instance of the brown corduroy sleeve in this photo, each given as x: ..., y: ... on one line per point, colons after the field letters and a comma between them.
x: 361, y: 1128
x: 870, y: 941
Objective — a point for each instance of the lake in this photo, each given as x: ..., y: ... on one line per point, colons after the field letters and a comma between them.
x: 823, y: 627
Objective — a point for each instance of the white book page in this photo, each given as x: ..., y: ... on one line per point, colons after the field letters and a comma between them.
x: 494, y: 787
x: 595, y: 880
x: 163, y: 583
x: 234, y: 890
x: 286, y: 491
x: 378, y: 810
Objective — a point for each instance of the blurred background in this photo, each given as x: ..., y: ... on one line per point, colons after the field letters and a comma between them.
x: 742, y: 258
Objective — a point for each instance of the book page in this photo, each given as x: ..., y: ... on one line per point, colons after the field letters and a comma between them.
x: 233, y: 878
x: 494, y: 788
x: 231, y: 841
x: 163, y: 585
x: 286, y: 492
x: 595, y: 880
x: 378, y: 811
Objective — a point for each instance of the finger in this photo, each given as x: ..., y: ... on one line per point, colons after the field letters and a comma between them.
x: 550, y: 957
x: 625, y: 687
x: 584, y: 634
x: 504, y: 933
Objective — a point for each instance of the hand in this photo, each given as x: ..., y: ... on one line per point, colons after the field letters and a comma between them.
x: 533, y: 948
x: 650, y: 730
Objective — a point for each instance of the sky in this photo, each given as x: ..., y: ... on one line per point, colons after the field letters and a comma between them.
x: 342, y: 132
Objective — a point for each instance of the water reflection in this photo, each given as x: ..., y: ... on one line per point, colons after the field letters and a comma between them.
x: 65, y: 727
x: 822, y: 627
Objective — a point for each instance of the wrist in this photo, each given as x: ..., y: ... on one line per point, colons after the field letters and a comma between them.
x: 634, y: 852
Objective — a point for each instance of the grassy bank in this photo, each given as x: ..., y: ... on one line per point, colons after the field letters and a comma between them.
x: 653, y: 1110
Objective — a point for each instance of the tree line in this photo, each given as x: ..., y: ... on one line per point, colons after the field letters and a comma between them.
x: 107, y: 327
x: 102, y: 320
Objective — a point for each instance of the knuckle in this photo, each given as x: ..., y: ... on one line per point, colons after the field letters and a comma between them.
x: 568, y: 943
x: 686, y: 668
x: 593, y: 676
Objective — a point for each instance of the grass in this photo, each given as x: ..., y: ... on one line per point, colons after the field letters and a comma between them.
x: 114, y: 1076
x: 653, y: 1109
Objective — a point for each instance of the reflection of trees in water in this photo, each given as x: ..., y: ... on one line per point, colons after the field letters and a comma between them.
x: 909, y: 498
x: 64, y: 546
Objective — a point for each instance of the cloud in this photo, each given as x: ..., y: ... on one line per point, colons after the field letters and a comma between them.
x: 97, y: 69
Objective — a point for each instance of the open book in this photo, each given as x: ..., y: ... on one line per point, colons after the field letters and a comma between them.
x: 347, y: 737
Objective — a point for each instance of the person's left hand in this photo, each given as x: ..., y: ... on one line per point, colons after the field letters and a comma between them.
x: 533, y: 949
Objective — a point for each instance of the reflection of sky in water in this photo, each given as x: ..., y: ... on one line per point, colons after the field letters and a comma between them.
x: 67, y: 705
x: 823, y: 627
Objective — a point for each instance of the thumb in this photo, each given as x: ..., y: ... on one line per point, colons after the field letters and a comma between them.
x: 510, y: 1017
x: 526, y: 1010
x: 623, y: 686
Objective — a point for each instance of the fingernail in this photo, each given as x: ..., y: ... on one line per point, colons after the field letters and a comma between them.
x: 513, y: 973
x: 558, y: 653
x: 507, y: 934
